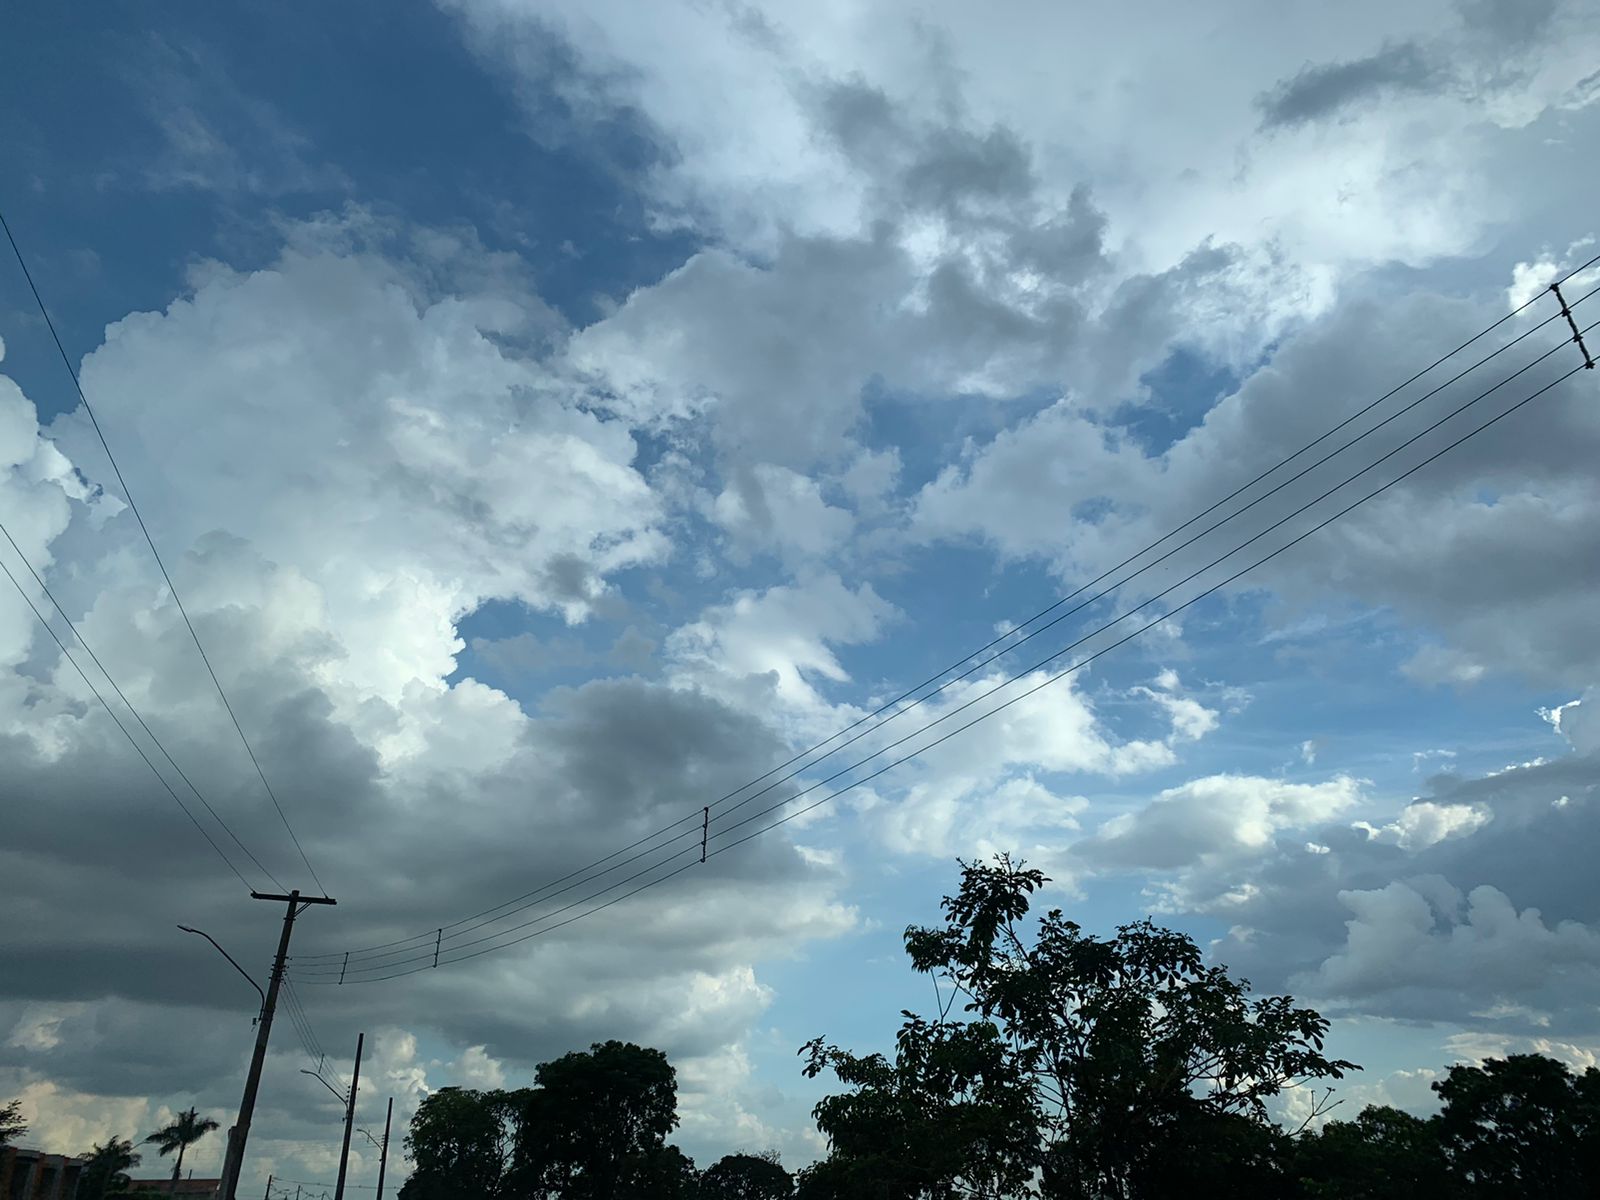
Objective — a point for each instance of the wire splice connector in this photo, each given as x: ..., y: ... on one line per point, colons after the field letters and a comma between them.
x: 1577, y: 334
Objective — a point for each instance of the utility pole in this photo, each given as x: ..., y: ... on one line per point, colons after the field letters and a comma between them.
x: 349, y: 1119
x: 383, y: 1154
x: 267, y: 1195
x: 247, y: 1105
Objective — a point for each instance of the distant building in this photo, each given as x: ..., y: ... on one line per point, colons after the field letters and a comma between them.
x: 194, y: 1189
x: 34, y: 1175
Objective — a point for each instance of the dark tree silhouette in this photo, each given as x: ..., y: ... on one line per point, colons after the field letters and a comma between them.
x: 184, y: 1132
x: 457, y: 1144
x: 1521, y: 1126
x: 105, y: 1173
x: 746, y: 1177
x: 594, y: 1128
x: 12, y: 1126
x: 1136, y: 1060
x: 1383, y: 1154
x: 596, y: 1123
x: 951, y: 1115
x: 664, y: 1174
x: 1060, y: 1066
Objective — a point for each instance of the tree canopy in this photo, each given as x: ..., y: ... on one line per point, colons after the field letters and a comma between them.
x: 746, y: 1177
x: 593, y: 1127
x: 12, y: 1124
x: 1086, y: 1067
x: 1058, y: 1066
x: 105, y: 1174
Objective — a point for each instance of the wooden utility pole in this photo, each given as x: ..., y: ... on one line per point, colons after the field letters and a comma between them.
x: 247, y: 1105
x: 383, y: 1153
x: 349, y: 1119
x: 267, y: 1195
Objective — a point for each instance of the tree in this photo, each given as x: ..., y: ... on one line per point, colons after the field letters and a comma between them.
x: 1134, y: 1057
x: 951, y: 1115
x: 746, y: 1177
x: 12, y: 1125
x: 1209, y: 1153
x: 595, y: 1125
x: 458, y: 1143
x: 105, y: 1173
x: 1521, y: 1126
x: 664, y: 1174
x: 1383, y: 1154
x: 188, y: 1129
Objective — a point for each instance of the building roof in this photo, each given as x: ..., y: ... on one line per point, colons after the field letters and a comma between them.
x: 30, y: 1152
x: 186, y: 1187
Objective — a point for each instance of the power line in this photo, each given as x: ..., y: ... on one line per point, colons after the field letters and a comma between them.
x: 177, y: 799
x: 309, y: 1041
x: 499, y: 945
x: 363, y: 959
x: 392, y: 954
x: 150, y: 541
x: 952, y: 733
x: 88, y: 649
x: 1165, y: 616
x: 303, y: 1183
x: 303, y: 1031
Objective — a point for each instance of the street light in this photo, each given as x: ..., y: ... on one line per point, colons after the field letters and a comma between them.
x: 342, y: 1097
x: 229, y: 957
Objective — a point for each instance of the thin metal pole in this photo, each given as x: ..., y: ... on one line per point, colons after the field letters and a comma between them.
x: 267, y: 1195
x: 349, y: 1120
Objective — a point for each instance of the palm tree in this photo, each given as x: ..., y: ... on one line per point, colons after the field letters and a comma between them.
x: 105, y: 1172
x: 188, y: 1129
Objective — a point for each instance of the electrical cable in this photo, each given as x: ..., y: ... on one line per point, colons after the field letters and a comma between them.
x: 458, y: 957
x: 362, y: 958
x: 138, y: 516
x: 95, y: 658
x: 309, y: 1040
x: 307, y: 1035
x: 177, y: 799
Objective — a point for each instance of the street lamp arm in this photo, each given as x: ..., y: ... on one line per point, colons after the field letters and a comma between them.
x: 229, y: 957
x: 342, y: 1097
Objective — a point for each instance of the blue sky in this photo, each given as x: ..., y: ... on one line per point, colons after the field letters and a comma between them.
x: 556, y: 415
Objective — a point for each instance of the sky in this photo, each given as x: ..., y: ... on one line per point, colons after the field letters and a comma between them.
x: 554, y: 417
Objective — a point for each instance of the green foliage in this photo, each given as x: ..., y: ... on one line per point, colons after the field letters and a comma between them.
x: 1102, y: 1067
x: 1079, y: 1068
x: 1209, y: 1153
x: 746, y: 1177
x: 1521, y: 1126
x: 594, y: 1128
x: 1383, y: 1154
x: 182, y: 1133
x: 951, y: 1112
x: 457, y: 1145
x: 12, y: 1125
x: 595, y: 1123
x: 664, y: 1174
x: 105, y: 1173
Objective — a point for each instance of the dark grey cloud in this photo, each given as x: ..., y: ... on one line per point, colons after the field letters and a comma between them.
x: 1507, y: 24
x: 1322, y: 90
x: 103, y: 868
x: 1502, y: 919
x: 1492, y: 548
